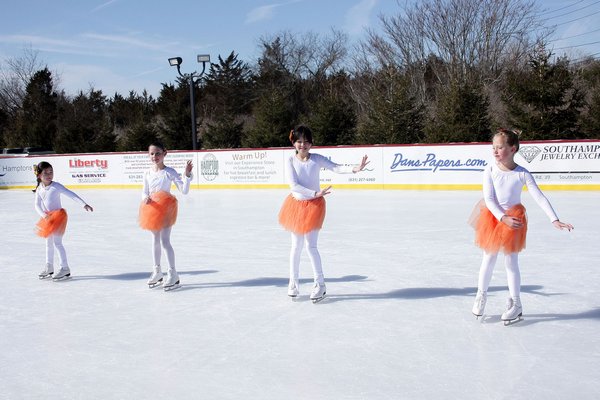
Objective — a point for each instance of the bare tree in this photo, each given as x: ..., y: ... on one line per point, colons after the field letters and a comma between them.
x: 305, y: 55
x: 15, y: 75
x: 469, y: 37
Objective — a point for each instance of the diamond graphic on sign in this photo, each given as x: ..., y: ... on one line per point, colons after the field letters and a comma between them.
x: 529, y: 153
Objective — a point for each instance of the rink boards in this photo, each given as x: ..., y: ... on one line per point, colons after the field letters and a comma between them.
x: 556, y: 165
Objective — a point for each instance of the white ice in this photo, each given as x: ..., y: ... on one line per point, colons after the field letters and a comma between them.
x: 401, y: 271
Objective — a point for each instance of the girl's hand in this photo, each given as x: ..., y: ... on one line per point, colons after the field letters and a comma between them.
x: 88, y: 207
x: 188, y: 168
x: 562, y: 225
x: 147, y: 200
x: 362, y: 165
x: 323, y: 192
x: 512, y: 222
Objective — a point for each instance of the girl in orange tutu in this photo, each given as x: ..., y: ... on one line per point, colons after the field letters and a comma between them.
x: 303, y: 210
x: 158, y: 211
x: 53, y: 220
x: 500, y: 221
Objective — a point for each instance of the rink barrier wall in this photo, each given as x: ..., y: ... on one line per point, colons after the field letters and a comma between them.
x: 556, y: 165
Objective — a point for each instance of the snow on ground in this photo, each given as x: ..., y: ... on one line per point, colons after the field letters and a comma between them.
x: 401, y: 272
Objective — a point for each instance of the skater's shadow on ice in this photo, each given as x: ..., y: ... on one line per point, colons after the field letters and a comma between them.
x: 530, y: 319
x: 266, y: 281
x: 134, y: 276
x: 429, y: 293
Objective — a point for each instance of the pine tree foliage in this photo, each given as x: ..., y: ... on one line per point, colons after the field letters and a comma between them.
x: 37, y: 126
x: 393, y: 114
x: 461, y: 115
x: 84, y: 125
x: 542, y: 98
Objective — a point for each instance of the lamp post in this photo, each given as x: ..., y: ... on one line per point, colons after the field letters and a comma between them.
x: 193, y: 77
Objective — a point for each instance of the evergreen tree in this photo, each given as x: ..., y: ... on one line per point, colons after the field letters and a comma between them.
x: 590, y: 117
x: 591, y: 120
x: 133, y: 121
x: 227, y: 101
x: 461, y: 115
x: 333, y: 122
x: 279, y: 100
x: 84, y: 125
x: 223, y: 132
x: 173, y: 122
x: 331, y: 115
x: 393, y: 114
x: 228, y: 87
x: 542, y: 99
x: 38, y: 118
x: 273, y: 121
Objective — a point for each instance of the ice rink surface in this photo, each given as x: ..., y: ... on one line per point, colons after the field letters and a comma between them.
x: 401, y: 273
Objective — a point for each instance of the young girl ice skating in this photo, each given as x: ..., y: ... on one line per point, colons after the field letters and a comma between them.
x: 303, y: 211
x: 53, y: 223
x: 158, y: 211
x: 501, y: 224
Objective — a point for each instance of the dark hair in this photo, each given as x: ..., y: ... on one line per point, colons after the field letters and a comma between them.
x: 301, y: 132
x: 38, y: 169
x: 159, y: 144
x: 511, y: 135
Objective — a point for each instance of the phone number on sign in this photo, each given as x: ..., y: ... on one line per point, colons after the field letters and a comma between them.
x: 361, y: 179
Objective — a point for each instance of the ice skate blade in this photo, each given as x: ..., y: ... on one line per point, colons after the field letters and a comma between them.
x: 172, y: 287
x: 293, y: 298
x: 154, y: 285
x: 62, y: 278
x: 318, y: 299
x: 508, y: 322
x: 44, y: 277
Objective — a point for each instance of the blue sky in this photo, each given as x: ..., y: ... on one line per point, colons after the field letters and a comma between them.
x: 123, y: 45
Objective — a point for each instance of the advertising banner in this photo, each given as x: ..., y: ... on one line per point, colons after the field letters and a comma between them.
x: 562, y: 163
x: 556, y: 165
x: 440, y: 167
x: 240, y: 168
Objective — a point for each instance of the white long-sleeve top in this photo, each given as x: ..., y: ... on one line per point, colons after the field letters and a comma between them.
x: 157, y: 181
x: 502, y: 190
x: 303, y: 176
x: 47, y: 198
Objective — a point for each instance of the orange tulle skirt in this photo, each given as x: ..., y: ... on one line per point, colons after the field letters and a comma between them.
x: 54, y: 223
x: 302, y: 216
x: 494, y: 236
x: 159, y: 213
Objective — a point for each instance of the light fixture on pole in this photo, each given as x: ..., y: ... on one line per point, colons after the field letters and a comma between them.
x: 193, y: 78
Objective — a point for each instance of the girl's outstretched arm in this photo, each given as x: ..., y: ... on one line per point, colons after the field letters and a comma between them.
x: 562, y: 225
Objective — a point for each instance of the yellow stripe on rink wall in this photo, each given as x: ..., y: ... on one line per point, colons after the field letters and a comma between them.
x: 431, y: 187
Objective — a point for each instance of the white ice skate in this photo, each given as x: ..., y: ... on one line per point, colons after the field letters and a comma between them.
x: 156, y: 278
x: 63, y: 274
x: 293, y: 290
x: 172, y: 280
x: 318, y: 292
x: 479, y: 305
x: 514, y: 313
x: 46, y: 272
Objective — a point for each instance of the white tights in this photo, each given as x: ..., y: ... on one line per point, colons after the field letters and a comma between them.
x: 163, y: 236
x: 298, y: 241
x: 513, y: 275
x: 53, y: 241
